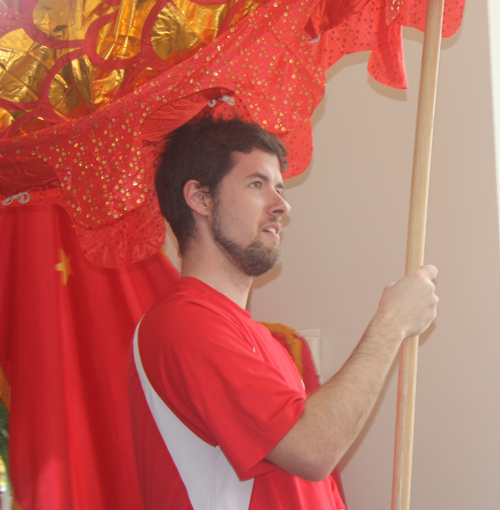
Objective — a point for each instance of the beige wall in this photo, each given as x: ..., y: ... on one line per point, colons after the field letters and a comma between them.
x: 346, y: 239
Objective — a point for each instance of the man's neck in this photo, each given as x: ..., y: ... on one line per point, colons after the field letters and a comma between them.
x: 224, y: 278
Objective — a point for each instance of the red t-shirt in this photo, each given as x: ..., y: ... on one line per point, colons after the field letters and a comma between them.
x: 218, y: 393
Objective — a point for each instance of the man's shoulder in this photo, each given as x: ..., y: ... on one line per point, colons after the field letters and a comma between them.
x: 193, y: 311
x: 189, y: 296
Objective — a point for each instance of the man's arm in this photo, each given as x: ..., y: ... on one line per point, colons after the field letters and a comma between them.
x: 335, y: 414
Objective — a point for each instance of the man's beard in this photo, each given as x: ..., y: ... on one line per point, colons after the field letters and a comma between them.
x: 254, y: 259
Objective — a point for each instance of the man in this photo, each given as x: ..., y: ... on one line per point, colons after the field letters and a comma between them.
x: 220, y: 416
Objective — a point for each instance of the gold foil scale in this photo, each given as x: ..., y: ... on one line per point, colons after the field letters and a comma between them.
x: 75, y: 57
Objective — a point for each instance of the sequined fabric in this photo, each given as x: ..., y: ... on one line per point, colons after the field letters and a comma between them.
x: 89, y: 89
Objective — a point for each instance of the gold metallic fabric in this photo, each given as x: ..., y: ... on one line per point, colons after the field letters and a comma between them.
x: 76, y: 56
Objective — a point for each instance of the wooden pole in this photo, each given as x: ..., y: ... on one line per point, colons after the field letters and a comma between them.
x: 407, y: 382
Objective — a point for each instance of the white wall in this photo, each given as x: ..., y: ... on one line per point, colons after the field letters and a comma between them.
x: 346, y: 239
x: 494, y: 33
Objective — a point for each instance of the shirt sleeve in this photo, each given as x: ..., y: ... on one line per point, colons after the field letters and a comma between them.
x: 218, y: 381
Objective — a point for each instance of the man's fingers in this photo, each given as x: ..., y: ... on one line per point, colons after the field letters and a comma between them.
x: 431, y: 271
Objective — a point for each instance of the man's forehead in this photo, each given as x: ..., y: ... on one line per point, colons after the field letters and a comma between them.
x: 257, y: 163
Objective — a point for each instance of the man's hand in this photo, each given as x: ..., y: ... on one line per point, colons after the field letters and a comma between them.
x: 334, y: 415
x: 410, y: 304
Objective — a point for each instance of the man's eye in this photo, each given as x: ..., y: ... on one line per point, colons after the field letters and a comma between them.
x: 256, y: 185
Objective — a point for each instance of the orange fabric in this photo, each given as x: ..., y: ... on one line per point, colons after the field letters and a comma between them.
x: 4, y: 389
x: 291, y: 339
x: 299, y: 349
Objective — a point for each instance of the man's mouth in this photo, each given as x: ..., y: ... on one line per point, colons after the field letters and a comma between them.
x: 273, y: 229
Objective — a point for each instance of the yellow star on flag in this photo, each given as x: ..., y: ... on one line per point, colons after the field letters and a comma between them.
x: 64, y: 266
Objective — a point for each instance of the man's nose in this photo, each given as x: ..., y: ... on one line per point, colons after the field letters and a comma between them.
x: 281, y: 207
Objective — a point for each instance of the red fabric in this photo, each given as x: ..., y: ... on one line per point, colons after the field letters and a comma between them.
x: 377, y: 27
x: 63, y: 348
x: 232, y: 385
x: 112, y: 204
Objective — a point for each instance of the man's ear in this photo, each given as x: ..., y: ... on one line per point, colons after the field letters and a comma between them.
x: 197, y: 197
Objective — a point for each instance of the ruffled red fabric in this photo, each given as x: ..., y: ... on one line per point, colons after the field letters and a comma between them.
x: 267, y: 68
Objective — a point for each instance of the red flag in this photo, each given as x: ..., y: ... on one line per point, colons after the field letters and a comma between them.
x: 65, y: 328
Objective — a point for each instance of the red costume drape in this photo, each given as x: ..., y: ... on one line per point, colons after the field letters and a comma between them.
x: 65, y: 329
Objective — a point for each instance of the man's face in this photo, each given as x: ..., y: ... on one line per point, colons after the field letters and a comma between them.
x: 247, y: 211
